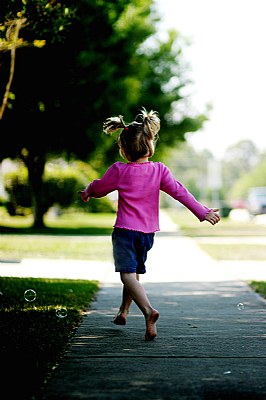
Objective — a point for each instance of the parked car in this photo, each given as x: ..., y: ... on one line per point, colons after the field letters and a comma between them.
x: 256, y: 200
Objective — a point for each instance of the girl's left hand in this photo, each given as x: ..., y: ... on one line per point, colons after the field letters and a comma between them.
x: 84, y: 196
x: 213, y: 217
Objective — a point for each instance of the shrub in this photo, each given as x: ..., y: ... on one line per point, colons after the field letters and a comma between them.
x: 60, y: 187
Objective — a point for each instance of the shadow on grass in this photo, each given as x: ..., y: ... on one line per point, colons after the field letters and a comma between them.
x: 56, y: 231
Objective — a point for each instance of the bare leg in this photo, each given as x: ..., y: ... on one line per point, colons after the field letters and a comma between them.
x: 120, y: 318
x: 136, y: 291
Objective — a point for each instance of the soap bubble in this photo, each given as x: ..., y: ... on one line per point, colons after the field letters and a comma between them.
x: 61, y: 312
x: 30, y: 295
x: 240, y: 306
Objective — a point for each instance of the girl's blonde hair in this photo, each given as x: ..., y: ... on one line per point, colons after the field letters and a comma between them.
x: 137, y: 139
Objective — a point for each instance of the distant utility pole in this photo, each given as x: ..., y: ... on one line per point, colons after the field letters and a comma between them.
x: 215, y: 181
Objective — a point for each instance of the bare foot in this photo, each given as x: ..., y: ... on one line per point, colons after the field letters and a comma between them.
x: 151, y: 331
x: 120, y: 319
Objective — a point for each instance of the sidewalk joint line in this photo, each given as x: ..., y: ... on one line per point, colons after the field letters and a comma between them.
x: 181, y: 357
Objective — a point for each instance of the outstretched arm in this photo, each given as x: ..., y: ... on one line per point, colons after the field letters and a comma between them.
x: 84, y: 196
x: 212, y: 216
x: 101, y: 187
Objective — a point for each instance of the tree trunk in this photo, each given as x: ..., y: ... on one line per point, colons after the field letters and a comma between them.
x: 35, y: 165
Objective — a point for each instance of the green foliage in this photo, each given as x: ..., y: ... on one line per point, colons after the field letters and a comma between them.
x: 239, y: 160
x: 49, y: 18
x: 16, y: 185
x: 102, y: 65
x: 259, y: 287
x: 255, y: 177
x: 191, y: 169
x: 60, y: 187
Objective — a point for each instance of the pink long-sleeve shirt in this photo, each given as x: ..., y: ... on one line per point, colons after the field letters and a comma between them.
x: 139, y: 186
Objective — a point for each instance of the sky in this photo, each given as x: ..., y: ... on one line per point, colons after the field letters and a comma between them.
x: 227, y: 56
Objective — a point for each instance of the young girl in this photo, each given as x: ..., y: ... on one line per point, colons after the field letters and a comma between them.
x: 139, y: 182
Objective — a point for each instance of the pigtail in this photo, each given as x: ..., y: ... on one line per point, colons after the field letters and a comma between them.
x: 136, y: 139
x: 112, y: 124
x: 151, y: 123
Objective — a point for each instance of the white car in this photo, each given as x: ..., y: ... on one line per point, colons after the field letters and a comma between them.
x: 256, y: 200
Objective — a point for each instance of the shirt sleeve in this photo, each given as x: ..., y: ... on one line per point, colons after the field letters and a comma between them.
x: 107, y: 184
x: 176, y: 190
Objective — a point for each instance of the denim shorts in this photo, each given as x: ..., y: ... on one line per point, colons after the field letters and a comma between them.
x: 130, y: 250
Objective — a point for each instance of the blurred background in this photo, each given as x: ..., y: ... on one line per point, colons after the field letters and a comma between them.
x: 65, y: 67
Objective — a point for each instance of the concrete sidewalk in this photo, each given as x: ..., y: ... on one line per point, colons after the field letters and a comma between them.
x: 209, y: 346
x: 211, y: 341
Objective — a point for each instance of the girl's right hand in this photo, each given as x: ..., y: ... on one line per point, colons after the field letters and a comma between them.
x: 213, y: 217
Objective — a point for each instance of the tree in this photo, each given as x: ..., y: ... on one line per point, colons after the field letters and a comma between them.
x: 48, y: 20
x: 190, y: 167
x: 95, y: 63
x: 11, y: 43
x: 238, y: 161
x: 256, y: 176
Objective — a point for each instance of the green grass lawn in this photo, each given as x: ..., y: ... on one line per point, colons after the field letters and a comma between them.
x: 71, y: 236
x: 226, y: 228
x: 36, y: 332
x: 235, y: 252
x: 88, y: 236
x: 69, y: 223
x: 259, y: 287
x: 191, y: 226
x: 50, y: 246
